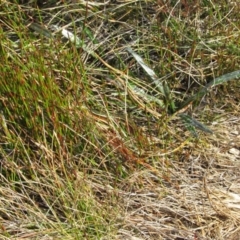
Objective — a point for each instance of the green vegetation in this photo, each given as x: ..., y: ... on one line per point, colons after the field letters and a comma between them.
x: 100, y: 102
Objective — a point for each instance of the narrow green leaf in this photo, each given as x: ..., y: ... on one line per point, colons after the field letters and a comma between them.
x: 191, y: 129
x: 189, y: 121
x: 41, y: 30
x: 224, y: 78
x: 148, y: 70
x: 219, y: 80
x: 145, y: 96
x: 163, y: 88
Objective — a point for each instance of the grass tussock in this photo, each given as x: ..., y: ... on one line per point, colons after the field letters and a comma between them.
x: 101, y: 102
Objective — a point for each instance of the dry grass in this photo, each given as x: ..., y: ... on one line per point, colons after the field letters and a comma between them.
x: 198, y: 200
x: 87, y: 151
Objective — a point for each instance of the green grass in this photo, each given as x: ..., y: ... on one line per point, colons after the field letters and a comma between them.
x: 79, y: 118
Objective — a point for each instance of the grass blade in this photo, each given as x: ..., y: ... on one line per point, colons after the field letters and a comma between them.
x: 144, y: 95
x: 163, y: 88
x: 40, y: 29
x: 193, y: 123
x: 222, y: 79
x: 148, y: 70
x: 69, y: 35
